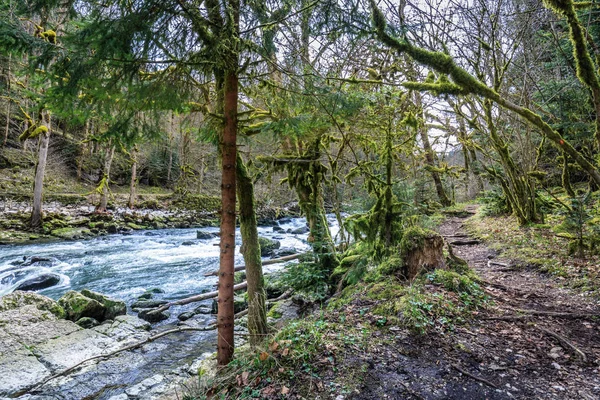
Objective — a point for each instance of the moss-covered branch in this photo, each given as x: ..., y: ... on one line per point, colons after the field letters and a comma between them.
x: 445, y: 64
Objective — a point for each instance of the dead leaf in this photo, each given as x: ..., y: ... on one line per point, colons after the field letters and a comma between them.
x: 269, y: 391
x: 274, y: 346
x: 263, y: 356
x: 285, y: 352
x: 245, y: 375
x: 285, y: 390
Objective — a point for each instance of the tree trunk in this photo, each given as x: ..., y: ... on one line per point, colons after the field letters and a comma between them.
x: 228, y: 195
x: 257, y: 314
x: 133, y: 179
x: 106, y: 178
x: 82, y: 150
x: 170, y: 149
x: 7, y: 128
x: 40, y: 170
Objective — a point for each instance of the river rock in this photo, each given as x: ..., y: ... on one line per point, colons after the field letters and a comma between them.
x: 300, y: 231
x: 112, y: 228
x: 282, y: 311
x: 205, y: 235
x: 187, y: 243
x: 267, y: 246
x: 19, y: 299
x: 42, y: 261
x: 202, y: 310
x: 284, y: 251
x: 150, y: 315
x: 145, y: 296
x: 78, y: 306
x: 71, y: 233
x: 239, y: 304
x: 185, y: 316
x: 39, y: 282
x: 155, y: 290
x: 278, y: 229
x: 112, y: 307
x: 148, y: 304
x: 87, y: 322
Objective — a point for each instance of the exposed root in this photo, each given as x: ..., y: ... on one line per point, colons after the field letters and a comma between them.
x: 564, y: 342
x: 477, y: 378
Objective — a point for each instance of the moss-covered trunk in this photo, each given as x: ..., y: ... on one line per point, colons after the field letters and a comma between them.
x: 40, y: 170
x: 517, y: 185
x: 430, y: 160
x: 257, y: 315
x: 108, y: 159
x: 308, y: 184
x: 132, y: 183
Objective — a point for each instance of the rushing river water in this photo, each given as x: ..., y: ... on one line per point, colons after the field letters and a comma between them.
x: 124, y: 266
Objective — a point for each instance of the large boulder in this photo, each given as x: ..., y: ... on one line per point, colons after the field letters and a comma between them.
x: 268, y: 246
x: 152, y: 315
x: 113, y: 307
x: 19, y: 299
x: 39, y: 282
x: 78, y: 306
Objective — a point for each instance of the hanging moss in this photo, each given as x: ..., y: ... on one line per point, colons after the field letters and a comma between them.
x: 49, y: 36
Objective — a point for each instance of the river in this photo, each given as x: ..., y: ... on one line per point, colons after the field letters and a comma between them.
x: 125, y: 266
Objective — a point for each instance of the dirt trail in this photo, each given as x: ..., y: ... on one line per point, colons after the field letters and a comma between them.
x: 523, y: 356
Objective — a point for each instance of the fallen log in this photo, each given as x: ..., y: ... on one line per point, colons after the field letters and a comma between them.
x: 266, y: 262
x: 196, y: 298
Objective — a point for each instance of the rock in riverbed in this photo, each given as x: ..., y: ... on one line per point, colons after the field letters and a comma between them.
x: 39, y: 282
x: 91, y: 304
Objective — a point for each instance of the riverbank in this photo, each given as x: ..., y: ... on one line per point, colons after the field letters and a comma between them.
x: 490, y: 331
x: 73, y: 216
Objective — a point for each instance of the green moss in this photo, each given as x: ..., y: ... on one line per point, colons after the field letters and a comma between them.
x: 135, y: 227
x: 414, y: 238
x: 199, y: 203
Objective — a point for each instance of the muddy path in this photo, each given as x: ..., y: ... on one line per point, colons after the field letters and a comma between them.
x: 517, y: 348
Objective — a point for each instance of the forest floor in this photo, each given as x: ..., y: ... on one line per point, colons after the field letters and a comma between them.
x: 535, y: 339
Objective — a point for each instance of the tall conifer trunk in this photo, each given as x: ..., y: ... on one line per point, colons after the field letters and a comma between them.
x: 225, y: 313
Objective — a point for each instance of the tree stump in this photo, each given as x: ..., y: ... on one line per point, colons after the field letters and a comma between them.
x: 421, y: 249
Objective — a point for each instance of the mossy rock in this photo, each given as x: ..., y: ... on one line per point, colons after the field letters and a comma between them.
x: 18, y: 299
x: 239, y: 304
x: 268, y: 246
x: 136, y: 227
x: 201, y: 203
x: 113, y: 307
x: 71, y: 233
x: 78, y: 306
